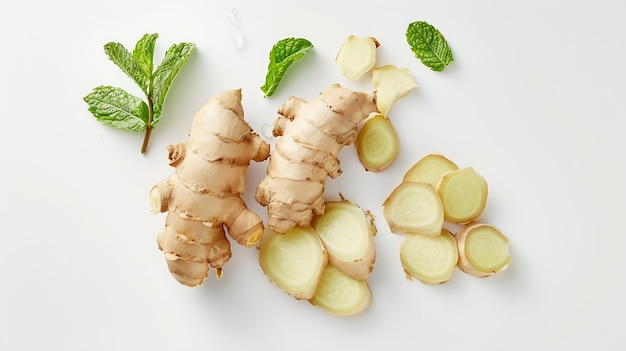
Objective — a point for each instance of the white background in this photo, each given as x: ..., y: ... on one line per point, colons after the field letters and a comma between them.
x: 534, y: 101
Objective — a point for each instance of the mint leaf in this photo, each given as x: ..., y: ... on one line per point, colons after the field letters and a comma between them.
x: 144, y: 52
x: 174, y: 59
x: 117, y: 108
x: 283, y: 54
x: 124, y: 60
x: 429, y: 45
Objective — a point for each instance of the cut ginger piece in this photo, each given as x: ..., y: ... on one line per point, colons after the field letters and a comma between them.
x: 483, y: 250
x: 294, y: 261
x: 430, y: 169
x: 340, y: 294
x: 377, y: 143
x: 356, y: 56
x: 414, y: 207
x: 430, y: 259
x: 391, y: 84
x: 347, y: 234
x: 463, y: 195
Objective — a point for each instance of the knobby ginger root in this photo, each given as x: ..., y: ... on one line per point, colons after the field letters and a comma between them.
x: 311, y: 136
x: 202, y: 196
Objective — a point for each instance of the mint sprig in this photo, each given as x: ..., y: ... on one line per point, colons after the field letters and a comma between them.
x: 117, y: 108
x: 429, y: 45
x: 284, y: 53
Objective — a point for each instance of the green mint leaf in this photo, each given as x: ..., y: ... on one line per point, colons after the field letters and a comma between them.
x: 144, y: 52
x: 174, y: 59
x: 124, y: 60
x: 117, y: 108
x: 429, y: 45
x: 283, y: 54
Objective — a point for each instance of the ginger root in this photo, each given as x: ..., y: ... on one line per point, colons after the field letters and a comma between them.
x: 312, y: 134
x: 202, y: 196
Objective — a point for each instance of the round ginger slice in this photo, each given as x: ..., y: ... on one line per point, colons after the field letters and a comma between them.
x: 347, y: 234
x: 414, y: 207
x: 483, y: 250
x: 340, y: 294
x: 430, y: 169
x: 377, y: 143
x: 463, y: 195
x: 430, y: 259
x: 294, y: 261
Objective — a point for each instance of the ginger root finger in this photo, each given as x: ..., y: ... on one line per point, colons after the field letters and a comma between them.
x: 202, y: 196
x: 311, y: 135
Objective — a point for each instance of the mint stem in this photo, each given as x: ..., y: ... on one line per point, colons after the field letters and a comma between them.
x: 146, y: 138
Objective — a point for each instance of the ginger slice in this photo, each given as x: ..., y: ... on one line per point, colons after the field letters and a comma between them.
x: 391, y: 84
x: 340, y: 294
x: 463, y: 194
x: 294, y: 261
x: 483, y: 250
x: 377, y: 143
x: 356, y: 56
x: 414, y: 207
x: 347, y: 234
x: 430, y: 169
x: 430, y: 259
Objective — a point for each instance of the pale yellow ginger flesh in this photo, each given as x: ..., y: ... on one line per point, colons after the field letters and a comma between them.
x: 340, y: 294
x: 202, y: 196
x: 311, y: 136
x: 414, y: 207
x: 430, y: 169
x: 356, y: 56
x: 483, y: 250
x: 294, y: 261
x: 391, y: 84
x: 430, y: 259
x: 478, y: 249
x: 347, y: 233
x: 377, y: 143
x: 463, y: 194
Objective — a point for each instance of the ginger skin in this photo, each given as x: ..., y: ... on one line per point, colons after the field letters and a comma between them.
x: 312, y: 134
x: 202, y: 196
